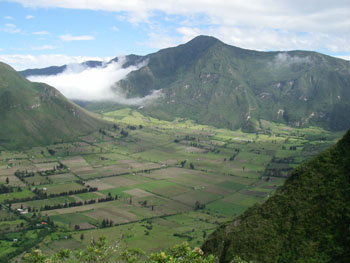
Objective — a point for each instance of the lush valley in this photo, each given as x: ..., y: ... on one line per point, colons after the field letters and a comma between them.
x: 224, y: 137
x: 144, y: 183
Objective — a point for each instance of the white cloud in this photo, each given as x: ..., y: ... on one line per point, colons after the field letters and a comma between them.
x: 11, y: 28
x: 8, y: 17
x: 41, y: 33
x: 344, y: 57
x: 29, y: 17
x: 161, y: 40
x: 262, y: 39
x: 91, y: 84
x: 280, y: 24
x: 44, y: 47
x: 21, y: 62
x: 69, y: 38
x: 115, y: 29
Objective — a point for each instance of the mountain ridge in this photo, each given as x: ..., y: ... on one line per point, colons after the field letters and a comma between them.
x: 226, y: 86
x: 235, y: 88
x: 38, y: 114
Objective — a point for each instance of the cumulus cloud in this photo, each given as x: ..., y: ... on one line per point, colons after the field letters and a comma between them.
x: 284, y: 59
x: 261, y: 25
x: 44, y: 47
x: 344, y: 57
x: 78, y: 82
x: 115, y: 29
x: 268, y: 13
x: 69, y: 38
x: 29, y: 17
x: 41, y: 33
x: 11, y: 28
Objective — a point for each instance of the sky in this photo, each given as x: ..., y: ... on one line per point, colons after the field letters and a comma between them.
x: 41, y: 33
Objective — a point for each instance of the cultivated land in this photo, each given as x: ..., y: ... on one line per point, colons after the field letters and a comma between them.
x: 144, y: 183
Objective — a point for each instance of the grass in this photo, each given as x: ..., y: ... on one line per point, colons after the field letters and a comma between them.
x: 42, y: 203
x: 87, y: 196
x: 16, y: 195
x: 73, y: 218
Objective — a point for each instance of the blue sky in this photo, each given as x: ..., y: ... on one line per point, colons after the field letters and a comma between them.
x: 38, y: 33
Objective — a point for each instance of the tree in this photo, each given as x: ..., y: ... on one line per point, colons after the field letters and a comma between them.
x: 104, y: 223
x: 191, y: 166
x: 7, y: 180
x: 197, y: 205
x: 82, y: 236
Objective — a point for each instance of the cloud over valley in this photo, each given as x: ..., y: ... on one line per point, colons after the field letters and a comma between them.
x: 79, y: 82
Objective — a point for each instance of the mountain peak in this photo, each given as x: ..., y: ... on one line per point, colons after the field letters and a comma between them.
x: 204, y: 38
x: 202, y: 42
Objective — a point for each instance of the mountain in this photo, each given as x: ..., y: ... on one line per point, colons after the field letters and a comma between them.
x: 37, y: 114
x: 306, y: 220
x: 225, y: 86
x: 214, y: 83
x: 131, y: 60
x: 54, y: 70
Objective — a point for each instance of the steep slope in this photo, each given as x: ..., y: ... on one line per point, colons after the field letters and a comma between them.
x: 36, y: 114
x: 226, y: 86
x: 307, y: 220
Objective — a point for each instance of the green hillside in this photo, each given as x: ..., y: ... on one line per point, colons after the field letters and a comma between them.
x: 37, y: 114
x: 307, y: 219
x: 230, y: 87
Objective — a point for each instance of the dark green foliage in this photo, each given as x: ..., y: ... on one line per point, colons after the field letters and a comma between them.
x: 37, y: 114
x: 307, y: 220
x: 225, y: 86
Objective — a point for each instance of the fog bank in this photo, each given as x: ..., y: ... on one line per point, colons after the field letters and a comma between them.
x: 79, y: 82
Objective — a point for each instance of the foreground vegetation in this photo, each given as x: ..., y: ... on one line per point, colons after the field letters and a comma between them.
x: 143, y: 183
x: 100, y: 252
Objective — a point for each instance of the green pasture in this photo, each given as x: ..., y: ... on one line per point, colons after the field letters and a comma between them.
x: 159, y: 171
x: 16, y: 195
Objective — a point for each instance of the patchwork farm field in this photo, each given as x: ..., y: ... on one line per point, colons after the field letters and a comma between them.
x: 144, y: 182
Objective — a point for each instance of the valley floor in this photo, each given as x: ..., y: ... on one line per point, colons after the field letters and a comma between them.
x: 144, y: 183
